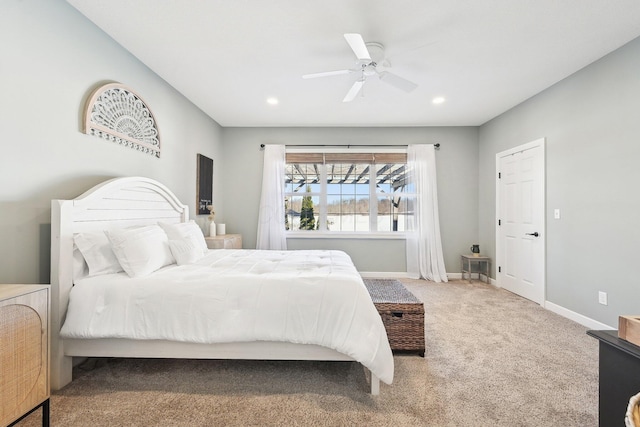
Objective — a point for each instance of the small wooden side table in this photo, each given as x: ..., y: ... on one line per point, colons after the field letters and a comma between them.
x: 482, y: 263
x: 225, y: 241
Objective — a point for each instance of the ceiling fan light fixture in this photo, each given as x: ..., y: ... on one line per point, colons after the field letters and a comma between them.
x: 369, y: 70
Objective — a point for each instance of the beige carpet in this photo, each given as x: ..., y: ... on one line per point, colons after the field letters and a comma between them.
x: 492, y: 359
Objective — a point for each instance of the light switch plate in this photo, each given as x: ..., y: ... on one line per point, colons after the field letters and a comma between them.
x: 602, y: 298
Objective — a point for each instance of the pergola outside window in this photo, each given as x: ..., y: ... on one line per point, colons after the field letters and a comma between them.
x: 352, y: 192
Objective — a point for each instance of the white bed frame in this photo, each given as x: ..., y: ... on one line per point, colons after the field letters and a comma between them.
x: 127, y: 202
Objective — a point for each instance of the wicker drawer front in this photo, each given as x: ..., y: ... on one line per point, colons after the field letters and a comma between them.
x: 404, y: 324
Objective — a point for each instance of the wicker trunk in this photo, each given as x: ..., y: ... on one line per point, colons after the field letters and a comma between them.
x: 402, y: 314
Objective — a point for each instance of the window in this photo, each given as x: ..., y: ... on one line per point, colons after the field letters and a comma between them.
x: 348, y: 191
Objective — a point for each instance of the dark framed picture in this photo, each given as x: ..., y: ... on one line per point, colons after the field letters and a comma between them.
x: 204, y: 184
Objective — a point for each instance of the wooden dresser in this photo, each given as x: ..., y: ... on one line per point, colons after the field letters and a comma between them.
x: 24, y: 352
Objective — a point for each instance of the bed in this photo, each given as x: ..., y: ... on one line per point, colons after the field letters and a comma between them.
x: 241, y: 304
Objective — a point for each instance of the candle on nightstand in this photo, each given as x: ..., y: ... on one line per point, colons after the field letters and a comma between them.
x: 221, y: 229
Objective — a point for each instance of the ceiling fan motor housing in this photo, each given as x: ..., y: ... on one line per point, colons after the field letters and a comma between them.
x: 376, y: 51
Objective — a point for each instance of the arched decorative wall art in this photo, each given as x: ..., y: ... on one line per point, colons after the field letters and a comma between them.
x: 116, y: 113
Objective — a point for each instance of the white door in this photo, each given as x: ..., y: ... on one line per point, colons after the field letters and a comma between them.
x: 520, y: 233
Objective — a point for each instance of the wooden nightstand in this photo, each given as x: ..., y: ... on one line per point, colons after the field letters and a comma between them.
x: 226, y: 241
x: 24, y: 352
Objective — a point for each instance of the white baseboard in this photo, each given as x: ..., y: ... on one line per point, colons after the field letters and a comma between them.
x: 402, y: 274
x: 384, y: 274
x: 576, y: 317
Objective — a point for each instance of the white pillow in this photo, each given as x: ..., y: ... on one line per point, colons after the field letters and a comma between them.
x: 186, y: 251
x: 141, y: 251
x: 97, y: 252
x: 80, y: 267
x: 185, y: 230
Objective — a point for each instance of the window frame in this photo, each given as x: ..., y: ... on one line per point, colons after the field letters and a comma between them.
x: 323, y: 233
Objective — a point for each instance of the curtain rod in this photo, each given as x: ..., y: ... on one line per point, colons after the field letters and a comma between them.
x: 348, y: 146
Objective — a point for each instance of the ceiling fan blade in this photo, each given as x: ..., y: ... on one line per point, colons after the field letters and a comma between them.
x: 358, y: 46
x: 397, y: 81
x: 353, y: 92
x: 327, y: 74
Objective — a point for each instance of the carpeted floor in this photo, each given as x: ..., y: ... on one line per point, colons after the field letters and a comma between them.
x: 493, y: 359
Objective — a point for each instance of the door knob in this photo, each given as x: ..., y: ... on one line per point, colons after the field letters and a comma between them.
x: 535, y: 234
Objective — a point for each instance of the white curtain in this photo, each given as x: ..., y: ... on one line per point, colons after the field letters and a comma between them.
x: 271, y: 231
x: 424, y: 247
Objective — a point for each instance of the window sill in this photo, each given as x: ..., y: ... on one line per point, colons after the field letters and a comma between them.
x: 397, y: 235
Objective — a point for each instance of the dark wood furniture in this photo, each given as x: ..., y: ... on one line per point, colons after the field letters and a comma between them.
x: 619, y: 376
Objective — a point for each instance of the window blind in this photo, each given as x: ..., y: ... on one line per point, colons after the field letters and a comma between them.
x: 348, y: 158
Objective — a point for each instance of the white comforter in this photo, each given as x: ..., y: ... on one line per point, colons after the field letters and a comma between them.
x: 308, y: 297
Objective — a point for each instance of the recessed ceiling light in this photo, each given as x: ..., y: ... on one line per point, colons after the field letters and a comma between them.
x: 438, y: 100
x: 272, y: 101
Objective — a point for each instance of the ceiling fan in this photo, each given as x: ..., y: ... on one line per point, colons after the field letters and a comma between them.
x: 370, y: 59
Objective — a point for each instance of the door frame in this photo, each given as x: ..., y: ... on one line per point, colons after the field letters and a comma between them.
x: 541, y: 142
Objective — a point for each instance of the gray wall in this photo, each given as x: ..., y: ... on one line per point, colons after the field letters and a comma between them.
x: 457, y: 169
x: 51, y: 57
x: 592, y: 124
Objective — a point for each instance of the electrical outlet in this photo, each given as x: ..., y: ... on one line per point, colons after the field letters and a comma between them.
x: 556, y: 213
x: 602, y: 298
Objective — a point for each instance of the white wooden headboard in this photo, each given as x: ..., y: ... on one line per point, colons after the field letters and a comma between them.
x: 119, y: 202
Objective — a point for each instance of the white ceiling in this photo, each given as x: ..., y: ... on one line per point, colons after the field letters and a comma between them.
x: 483, y: 56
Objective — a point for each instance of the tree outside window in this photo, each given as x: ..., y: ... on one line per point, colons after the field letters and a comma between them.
x: 307, y: 219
